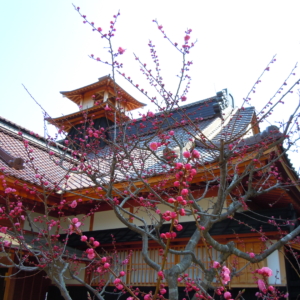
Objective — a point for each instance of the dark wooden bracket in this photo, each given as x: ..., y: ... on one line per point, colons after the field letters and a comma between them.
x: 14, y: 162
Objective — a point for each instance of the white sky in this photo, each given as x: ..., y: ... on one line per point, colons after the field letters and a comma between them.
x: 45, y: 46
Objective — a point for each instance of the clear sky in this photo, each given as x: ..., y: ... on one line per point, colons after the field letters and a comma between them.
x: 45, y: 46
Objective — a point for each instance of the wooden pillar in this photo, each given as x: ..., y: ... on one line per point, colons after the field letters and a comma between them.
x: 9, y: 284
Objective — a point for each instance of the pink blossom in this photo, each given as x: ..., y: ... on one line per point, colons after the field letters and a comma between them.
x: 225, y: 275
x: 182, y: 212
x: 163, y: 291
x: 179, y: 227
x: 3, y: 229
x: 9, y: 190
x: 186, y: 154
x: 96, y: 244
x: 171, y: 200
x: 252, y: 255
x: 153, y: 146
x: 178, y: 166
x: 261, y: 285
x: 162, y: 235
x: 173, y: 235
x: 106, y: 265
x: 177, y: 183
x: 193, y: 172
x: 119, y: 286
x: 73, y: 204
x: 188, y: 166
x: 216, y: 265
x: 7, y: 243
x: 195, y: 154
x: 183, y: 98
x: 218, y: 292
x: 122, y: 273
x: 121, y: 50
x: 83, y: 238
x: 186, y: 38
x: 90, y: 253
x: 265, y: 271
x: 227, y: 295
x: 184, y: 192
x: 179, y: 199
x: 117, y: 280
x: 74, y: 228
x: 103, y: 259
x: 160, y: 274
x: 171, y: 132
x: 76, y: 222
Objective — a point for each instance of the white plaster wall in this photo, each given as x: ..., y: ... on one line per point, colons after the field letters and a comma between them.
x: 106, y: 220
x: 86, y: 103
x: 32, y: 216
x: 274, y: 264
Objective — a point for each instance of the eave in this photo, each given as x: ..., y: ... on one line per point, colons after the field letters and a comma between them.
x: 95, y: 112
x: 107, y: 83
x: 204, y: 173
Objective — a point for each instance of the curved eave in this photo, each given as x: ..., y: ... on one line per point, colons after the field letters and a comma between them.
x: 158, y: 177
x: 75, y: 118
x: 104, y: 82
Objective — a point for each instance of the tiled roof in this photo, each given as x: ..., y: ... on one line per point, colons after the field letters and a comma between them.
x: 238, y: 127
x: 194, y: 112
x: 148, y: 164
x: 205, y: 123
x: 42, y: 164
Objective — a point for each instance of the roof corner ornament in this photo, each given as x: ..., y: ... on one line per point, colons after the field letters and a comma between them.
x: 223, y: 100
x: 13, y: 162
x: 272, y: 129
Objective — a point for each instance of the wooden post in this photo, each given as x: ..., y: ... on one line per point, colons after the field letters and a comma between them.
x: 9, y: 284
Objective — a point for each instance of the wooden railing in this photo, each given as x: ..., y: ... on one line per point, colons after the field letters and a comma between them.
x: 140, y: 274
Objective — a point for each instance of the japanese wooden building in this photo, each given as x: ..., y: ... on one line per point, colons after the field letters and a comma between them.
x: 213, y: 117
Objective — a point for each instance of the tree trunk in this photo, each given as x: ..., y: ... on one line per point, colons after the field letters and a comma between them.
x: 63, y: 290
x: 171, y: 279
